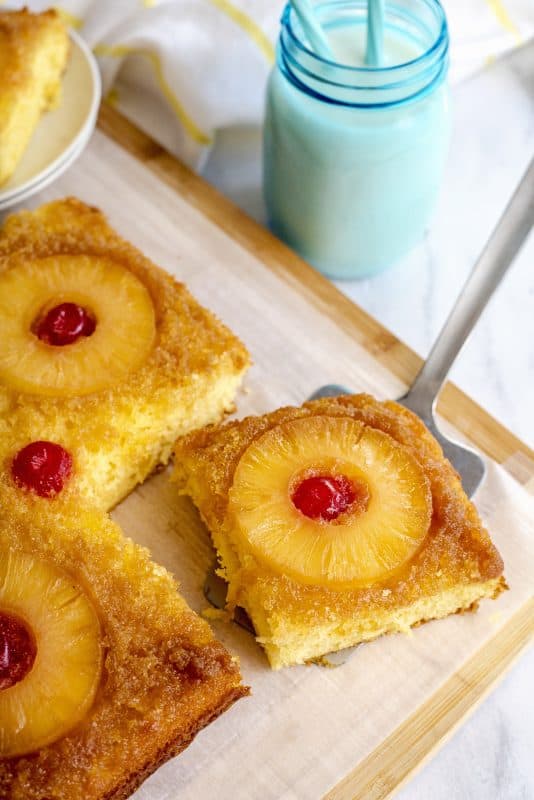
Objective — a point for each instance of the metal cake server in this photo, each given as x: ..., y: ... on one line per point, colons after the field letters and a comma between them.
x: 495, y: 260
x: 493, y: 263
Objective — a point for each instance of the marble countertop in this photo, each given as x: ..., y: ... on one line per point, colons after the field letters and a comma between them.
x: 490, y: 757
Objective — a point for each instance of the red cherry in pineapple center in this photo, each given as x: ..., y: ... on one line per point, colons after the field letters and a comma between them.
x: 17, y: 650
x: 65, y: 324
x: 42, y: 467
x: 324, y: 496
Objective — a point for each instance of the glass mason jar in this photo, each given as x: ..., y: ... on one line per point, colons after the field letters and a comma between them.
x: 354, y: 156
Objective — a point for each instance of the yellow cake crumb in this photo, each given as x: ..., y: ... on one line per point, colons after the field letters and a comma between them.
x: 33, y: 55
x: 178, y: 369
x: 455, y: 567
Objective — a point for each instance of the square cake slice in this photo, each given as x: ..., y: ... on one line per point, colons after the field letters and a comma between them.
x: 336, y: 522
x: 105, y: 671
x: 33, y: 55
x: 103, y: 353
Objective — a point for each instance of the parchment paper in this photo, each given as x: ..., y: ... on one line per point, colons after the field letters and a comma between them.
x: 304, y: 728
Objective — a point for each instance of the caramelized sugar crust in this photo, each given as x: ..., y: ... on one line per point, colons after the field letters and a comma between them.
x: 189, y: 338
x: 164, y: 676
x: 456, y: 551
x: 20, y: 31
x: 195, y: 359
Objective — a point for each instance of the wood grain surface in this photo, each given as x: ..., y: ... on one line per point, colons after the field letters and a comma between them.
x: 407, y: 746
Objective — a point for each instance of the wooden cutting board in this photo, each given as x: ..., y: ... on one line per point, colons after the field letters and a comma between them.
x: 302, y: 333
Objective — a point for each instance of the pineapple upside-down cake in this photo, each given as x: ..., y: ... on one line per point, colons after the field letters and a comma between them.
x: 105, y: 673
x: 103, y: 354
x: 336, y: 522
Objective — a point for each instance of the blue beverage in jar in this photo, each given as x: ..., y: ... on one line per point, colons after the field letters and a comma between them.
x: 353, y: 154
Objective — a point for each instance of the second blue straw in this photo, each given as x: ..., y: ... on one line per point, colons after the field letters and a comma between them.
x: 374, y: 54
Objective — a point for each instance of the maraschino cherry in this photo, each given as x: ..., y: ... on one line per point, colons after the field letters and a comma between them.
x: 17, y: 650
x: 42, y: 467
x: 65, y: 324
x: 324, y: 497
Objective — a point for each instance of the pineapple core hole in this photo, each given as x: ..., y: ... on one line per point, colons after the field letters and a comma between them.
x: 64, y: 324
x: 17, y: 650
x: 327, y: 497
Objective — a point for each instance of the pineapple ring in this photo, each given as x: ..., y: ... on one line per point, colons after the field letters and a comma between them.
x: 61, y: 685
x: 356, y: 549
x: 125, y: 325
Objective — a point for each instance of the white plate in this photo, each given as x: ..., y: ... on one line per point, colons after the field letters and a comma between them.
x: 47, y: 178
x: 60, y: 132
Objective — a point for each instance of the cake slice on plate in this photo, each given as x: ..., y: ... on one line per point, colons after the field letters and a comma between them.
x: 336, y: 522
x: 33, y: 55
x: 105, y: 672
x: 103, y: 354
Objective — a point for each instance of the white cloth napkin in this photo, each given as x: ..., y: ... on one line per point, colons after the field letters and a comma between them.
x: 184, y: 69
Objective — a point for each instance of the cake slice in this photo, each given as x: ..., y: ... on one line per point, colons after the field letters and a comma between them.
x: 33, y: 54
x: 336, y: 522
x: 105, y: 672
x: 103, y: 354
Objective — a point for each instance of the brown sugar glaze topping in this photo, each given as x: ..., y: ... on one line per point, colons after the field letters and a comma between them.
x: 457, y: 544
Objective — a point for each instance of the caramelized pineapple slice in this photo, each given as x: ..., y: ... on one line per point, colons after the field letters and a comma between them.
x: 329, y: 501
x: 50, y: 654
x: 116, y: 328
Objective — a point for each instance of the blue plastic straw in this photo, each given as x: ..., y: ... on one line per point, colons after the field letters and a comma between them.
x: 313, y: 30
x: 374, y: 54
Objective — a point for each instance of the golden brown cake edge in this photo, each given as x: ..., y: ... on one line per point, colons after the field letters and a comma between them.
x: 175, y: 748
x: 217, y: 686
x: 204, y: 465
x: 195, y: 354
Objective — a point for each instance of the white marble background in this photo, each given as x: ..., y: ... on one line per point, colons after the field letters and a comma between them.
x: 491, y: 757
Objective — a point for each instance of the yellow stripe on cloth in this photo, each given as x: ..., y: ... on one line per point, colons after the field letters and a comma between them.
x: 112, y: 97
x: 504, y: 19
x: 246, y: 23
x: 189, y: 125
x: 69, y: 19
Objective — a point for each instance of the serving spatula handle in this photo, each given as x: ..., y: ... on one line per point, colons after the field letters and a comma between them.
x: 493, y: 263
